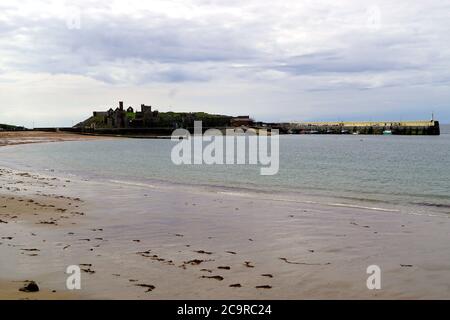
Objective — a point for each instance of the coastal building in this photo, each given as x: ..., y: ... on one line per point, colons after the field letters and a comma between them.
x: 147, y: 118
x: 242, y: 121
x: 121, y: 118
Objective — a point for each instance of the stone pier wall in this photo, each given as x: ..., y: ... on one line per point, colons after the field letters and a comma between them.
x: 397, y: 128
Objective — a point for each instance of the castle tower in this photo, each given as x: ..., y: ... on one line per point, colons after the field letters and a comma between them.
x: 145, y: 109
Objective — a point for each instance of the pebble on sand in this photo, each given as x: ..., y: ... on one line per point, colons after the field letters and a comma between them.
x: 30, y: 287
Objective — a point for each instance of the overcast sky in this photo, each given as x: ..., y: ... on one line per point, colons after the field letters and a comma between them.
x: 275, y: 60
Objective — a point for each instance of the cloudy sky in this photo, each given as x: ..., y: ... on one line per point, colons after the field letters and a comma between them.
x: 275, y: 60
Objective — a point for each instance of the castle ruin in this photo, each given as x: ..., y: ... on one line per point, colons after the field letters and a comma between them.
x: 121, y: 118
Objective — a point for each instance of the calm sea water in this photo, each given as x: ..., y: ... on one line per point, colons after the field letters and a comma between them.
x: 408, y: 172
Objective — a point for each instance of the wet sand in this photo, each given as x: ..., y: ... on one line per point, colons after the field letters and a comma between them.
x: 9, y: 291
x: 26, y: 137
x: 173, y: 242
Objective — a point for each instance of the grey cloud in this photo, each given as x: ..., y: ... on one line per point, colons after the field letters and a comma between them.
x: 52, y: 48
x: 317, y: 52
x: 343, y: 62
x: 187, y: 48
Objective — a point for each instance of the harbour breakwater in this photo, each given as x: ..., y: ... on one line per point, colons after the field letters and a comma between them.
x: 430, y: 127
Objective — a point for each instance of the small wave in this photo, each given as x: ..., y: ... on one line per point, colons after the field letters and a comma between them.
x: 238, y: 194
x: 248, y: 195
x: 136, y: 184
x: 423, y: 214
x: 361, y: 207
x: 435, y: 205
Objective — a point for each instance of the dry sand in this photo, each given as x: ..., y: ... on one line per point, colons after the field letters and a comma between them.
x: 26, y: 137
x: 173, y: 242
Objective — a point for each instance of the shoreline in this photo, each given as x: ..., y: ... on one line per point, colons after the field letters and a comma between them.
x: 10, y: 138
x: 364, y: 201
x: 199, y: 244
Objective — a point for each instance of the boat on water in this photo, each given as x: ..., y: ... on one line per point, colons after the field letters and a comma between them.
x: 387, y: 132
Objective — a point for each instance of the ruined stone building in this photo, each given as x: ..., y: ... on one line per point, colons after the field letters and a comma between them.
x: 146, y: 118
x: 121, y: 118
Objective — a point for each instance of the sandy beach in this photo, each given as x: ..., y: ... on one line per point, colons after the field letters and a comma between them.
x: 137, y: 241
x: 8, y: 138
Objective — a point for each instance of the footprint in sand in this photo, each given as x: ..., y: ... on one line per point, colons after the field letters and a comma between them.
x: 203, y: 252
x: 33, y: 249
x: 206, y: 270
x: 86, y: 267
x: 224, y: 267
x: 219, y: 278
x: 195, y: 262
x: 149, y: 287
x: 305, y: 263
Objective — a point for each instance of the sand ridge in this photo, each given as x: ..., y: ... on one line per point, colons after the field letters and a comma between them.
x: 8, y: 138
